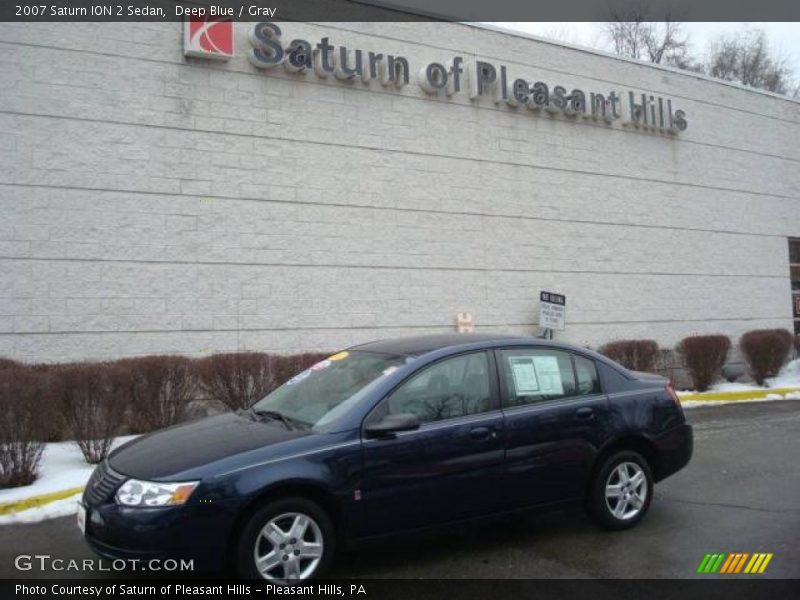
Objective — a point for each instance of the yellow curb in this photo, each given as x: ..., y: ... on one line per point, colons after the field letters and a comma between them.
x: 26, y: 503
x: 737, y: 395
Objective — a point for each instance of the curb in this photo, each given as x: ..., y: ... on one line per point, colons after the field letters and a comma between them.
x: 737, y: 395
x: 34, y: 501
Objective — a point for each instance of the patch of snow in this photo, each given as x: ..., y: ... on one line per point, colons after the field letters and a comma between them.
x: 59, y: 508
x: 725, y: 387
x: 734, y: 387
x: 789, y: 375
x: 62, y: 467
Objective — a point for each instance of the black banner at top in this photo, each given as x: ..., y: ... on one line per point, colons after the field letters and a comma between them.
x: 393, y: 10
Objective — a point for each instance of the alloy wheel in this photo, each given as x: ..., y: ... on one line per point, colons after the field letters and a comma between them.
x: 626, y: 490
x: 289, y: 546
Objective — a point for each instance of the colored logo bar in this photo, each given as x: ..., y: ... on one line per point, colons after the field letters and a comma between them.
x: 735, y: 563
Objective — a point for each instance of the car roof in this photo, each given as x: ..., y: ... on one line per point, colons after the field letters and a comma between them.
x: 422, y: 344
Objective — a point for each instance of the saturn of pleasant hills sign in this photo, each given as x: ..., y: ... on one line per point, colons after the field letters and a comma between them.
x: 481, y: 79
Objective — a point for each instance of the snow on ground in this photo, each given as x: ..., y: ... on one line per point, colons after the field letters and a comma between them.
x: 62, y: 468
x: 725, y: 386
x: 789, y: 377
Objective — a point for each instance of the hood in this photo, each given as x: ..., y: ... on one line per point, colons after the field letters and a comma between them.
x: 189, y: 446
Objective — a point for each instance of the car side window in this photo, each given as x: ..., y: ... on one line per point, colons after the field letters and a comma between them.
x: 451, y: 388
x: 535, y: 375
x: 586, y: 376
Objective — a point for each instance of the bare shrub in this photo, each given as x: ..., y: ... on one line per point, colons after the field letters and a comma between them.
x: 238, y: 380
x: 91, y: 399
x: 797, y: 345
x: 637, y: 355
x: 7, y: 363
x: 765, y: 351
x: 669, y: 364
x: 54, y: 427
x: 22, y: 424
x: 158, y: 390
x: 705, y: 355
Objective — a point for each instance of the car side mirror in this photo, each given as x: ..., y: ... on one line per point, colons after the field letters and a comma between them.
x: 391, y: 424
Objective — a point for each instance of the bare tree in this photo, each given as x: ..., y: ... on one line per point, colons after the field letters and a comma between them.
x: 661, y: 42
x: 746, y: 58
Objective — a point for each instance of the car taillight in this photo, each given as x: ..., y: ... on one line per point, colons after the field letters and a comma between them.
x: 674, y: 396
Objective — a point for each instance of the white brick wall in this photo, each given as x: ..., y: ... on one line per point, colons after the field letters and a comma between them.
x: 154, y: 204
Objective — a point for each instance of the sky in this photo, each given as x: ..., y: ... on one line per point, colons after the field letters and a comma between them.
x: 784, y: 38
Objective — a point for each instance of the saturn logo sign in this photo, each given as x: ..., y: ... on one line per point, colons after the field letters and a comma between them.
x: 208, y: 38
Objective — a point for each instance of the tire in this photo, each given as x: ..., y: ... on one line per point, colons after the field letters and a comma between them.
x: 614, y: 503
x: 304, y: 529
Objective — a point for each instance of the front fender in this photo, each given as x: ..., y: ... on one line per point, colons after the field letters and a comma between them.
x: 330, y: 475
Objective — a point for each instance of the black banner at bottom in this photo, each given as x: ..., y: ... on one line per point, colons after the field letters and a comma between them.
x: 404, y: 589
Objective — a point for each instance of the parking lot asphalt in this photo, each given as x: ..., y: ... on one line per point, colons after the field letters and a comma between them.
x: 740, y: 493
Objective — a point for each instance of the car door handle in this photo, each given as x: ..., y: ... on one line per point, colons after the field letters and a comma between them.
x: 482, y: 433
x: 585, y: 412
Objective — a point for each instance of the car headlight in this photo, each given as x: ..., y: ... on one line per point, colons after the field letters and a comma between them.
x: 151, y: 493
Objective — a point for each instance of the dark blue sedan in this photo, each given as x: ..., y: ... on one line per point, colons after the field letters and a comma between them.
x: 389, y: 437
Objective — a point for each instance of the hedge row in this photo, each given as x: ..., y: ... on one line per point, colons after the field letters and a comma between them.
x: 92, y: 403
x: 764, y: 350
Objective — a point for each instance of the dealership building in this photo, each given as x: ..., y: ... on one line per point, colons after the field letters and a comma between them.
x: 170, y: 187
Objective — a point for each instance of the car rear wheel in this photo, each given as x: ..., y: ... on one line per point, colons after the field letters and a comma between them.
x: 621, y: 491
x: 287, y: 540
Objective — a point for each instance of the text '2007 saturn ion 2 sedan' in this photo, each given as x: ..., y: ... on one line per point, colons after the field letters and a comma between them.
x: 389, y: 437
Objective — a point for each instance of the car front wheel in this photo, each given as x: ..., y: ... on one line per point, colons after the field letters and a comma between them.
x: 621, y: 491
x: 287, y: 540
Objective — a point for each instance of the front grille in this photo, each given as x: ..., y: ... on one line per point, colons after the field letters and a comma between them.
x: 103, y: 482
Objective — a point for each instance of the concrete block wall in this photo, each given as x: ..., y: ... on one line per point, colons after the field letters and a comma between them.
x: 152, y: 203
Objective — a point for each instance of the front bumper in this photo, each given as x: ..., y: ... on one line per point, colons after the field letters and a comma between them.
x: 675, y: 448
x: 199, y: 533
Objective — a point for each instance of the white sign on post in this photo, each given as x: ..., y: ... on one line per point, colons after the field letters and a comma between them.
x: 552, y: 310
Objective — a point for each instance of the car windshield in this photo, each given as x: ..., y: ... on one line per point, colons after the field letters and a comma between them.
x: 323, y: 392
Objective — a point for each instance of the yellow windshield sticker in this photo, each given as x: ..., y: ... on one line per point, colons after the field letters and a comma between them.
x: 339, y: 356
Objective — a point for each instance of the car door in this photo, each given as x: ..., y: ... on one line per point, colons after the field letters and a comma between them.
x: 448, y: 468
x: 556, y: 418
